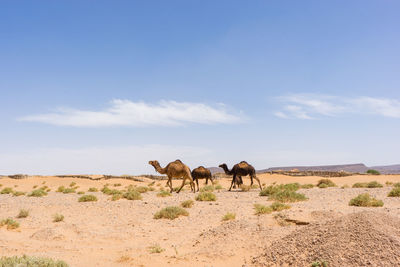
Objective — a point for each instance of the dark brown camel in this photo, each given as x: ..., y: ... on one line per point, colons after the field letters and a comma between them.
x: 201, y: 173
x: 175, y: 169
x: 239, y: 170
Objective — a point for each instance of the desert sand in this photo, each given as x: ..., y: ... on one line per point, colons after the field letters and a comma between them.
x: 119, y: 233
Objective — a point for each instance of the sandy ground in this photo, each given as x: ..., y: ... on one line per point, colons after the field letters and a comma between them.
x: 119, y: 233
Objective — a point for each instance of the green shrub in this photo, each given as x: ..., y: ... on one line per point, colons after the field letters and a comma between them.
x: 18, y: 193
x: 68, y: 190
x: 365, y: 200
x: 58, y: 217
x: 373, y: 172
x: 38, y: 193
x: 396, y: 185
x: 324, y: 183
x: 6, y: 190
x: 109, y: 191
x: 72, y: 184
x: 163, y: 193
x: 155, y: 249
x: 307, y: 186
x: 273, y: 189
x: 319, y: 264
x: 218, y: 187
x: 359, y: 185
x: 60, y: 189
x: 25, y: 261
x: 277, y: 206
x: 116, y: 197
x: 262, y: 209
x: 93, y: 189
x: 11, y: 224
x: 395, y: 192
x: 23, y: 213
x: 374, y: 184
x: 87, y: 198
x: 81, y: 193
x: 132, y: 195
x: 206, y: 196
x: 287, y: 196
x: 229, y: 216
x: 171, y: 213
x: 187, y: 203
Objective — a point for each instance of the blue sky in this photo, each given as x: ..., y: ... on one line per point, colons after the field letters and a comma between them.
x: 105, y: 86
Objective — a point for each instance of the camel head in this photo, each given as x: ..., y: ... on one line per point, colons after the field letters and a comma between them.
x: 223, y: 166
x: 154, y: 163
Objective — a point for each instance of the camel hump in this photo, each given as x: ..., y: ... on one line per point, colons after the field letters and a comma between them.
x: 178, y: 160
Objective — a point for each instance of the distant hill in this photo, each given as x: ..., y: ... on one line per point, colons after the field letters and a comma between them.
x: 354, y: 168
x: 389, y: 169
x: 358, y: 168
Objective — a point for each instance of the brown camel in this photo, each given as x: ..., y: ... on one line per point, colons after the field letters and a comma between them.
x: 175, y: 169
x: 201, y: 173
x: 239, y: 170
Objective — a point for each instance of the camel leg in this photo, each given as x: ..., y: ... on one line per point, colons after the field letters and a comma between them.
x: 258, y: 180
x: 198, y: 188
x: 170, y: 183
x: 212, y: 181
x: 207, y: 181
x: 233, y: 181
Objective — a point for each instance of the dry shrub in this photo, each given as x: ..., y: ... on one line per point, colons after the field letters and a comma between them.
x: 262, y: 209
x: 365, y: 200
x: 164, y: 193
x: 395, y: 192
x: 187, y: 203
x: 206, y: 196
x: 11, y: 224
x: 229, y: 216
x: 324, y: 183
x: 87, y: 198
x: 31, y: 261
x: 58, y: 217
x: 23, y: 213
x: 171, y: 213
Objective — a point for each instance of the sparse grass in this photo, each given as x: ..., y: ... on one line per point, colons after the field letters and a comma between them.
x: 206, y: 196
x: 132, y: 195
x: 307, y: 186
x: 38, y: 193
x: 18, y: 193
x: 262, y: 209
x: 93, y: 189
x: 324, y: 183
x: 373, y: 184
x: 365, y: 200
x: 11, y: 224
x: 6, y: 190
x: 207, y: 188
x: 23, y: 213
x: 171, y: 213
x: 163, y: 193
x: 25, y: 261
x: 245, y: 188
x: 229, y: 216
x: 395, y: 192
x: 187, y: 203
x: 388, y: 183
x: 58, y: 217
x: 142, y: 189
x: 81, y: 193
x: 155, y: 249
x: 278, y: 206
x: 319, y: 264
x: 396, y: 185
x: 72, y: 184
x: 287, y: 196
x: 116, y: 185
x: 87, y: 198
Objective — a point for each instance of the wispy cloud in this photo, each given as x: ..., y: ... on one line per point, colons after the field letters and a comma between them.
x: 313, y: 106
x: 138, y: 114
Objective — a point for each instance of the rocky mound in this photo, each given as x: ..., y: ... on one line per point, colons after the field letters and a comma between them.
x: 358, y: 239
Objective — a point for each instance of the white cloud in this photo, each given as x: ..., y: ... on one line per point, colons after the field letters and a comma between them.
x: 138, y: 114
x: 116, y: 160
x: 312, y: 106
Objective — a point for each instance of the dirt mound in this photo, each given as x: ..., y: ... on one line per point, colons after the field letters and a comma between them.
x: 358, y: 239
